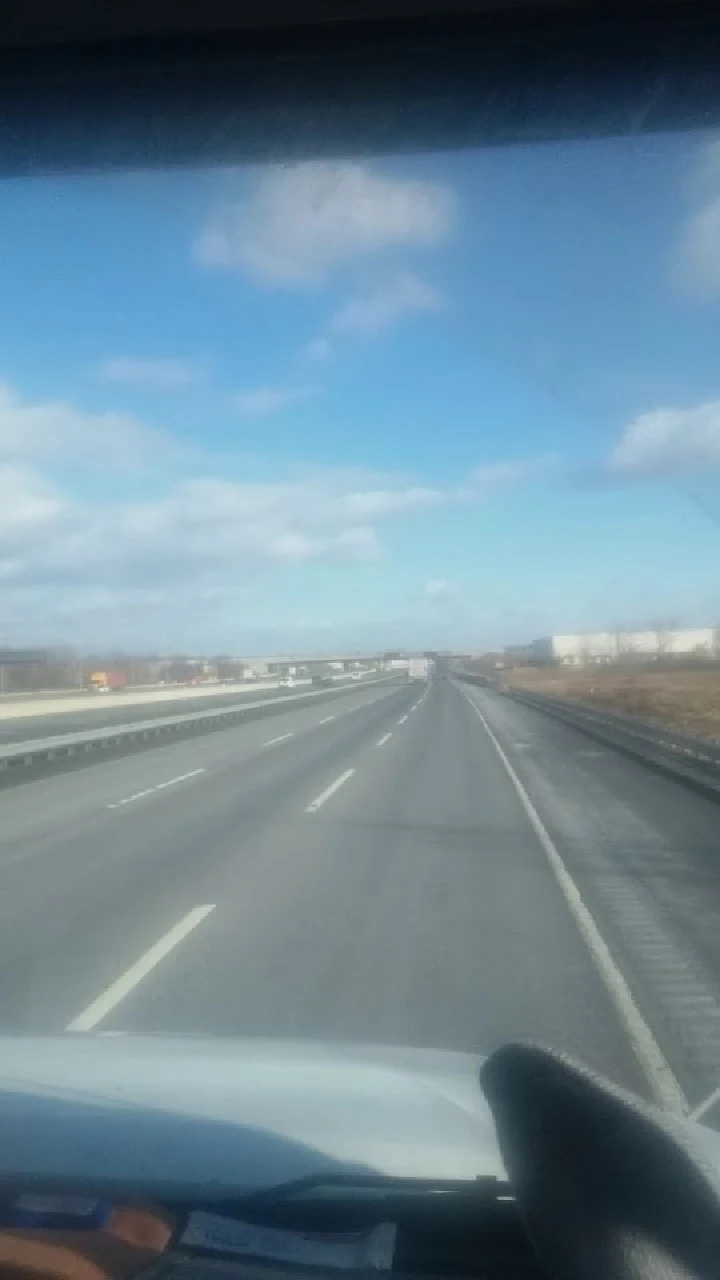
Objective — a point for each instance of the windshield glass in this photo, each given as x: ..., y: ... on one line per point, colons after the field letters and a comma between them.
x: 360, y: 637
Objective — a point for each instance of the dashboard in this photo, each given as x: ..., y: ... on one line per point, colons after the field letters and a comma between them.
x: 466, y: 1234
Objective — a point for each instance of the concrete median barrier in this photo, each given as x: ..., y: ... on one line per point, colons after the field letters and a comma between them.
x: 85, y: 743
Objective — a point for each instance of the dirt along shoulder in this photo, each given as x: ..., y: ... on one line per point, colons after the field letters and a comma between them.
x: 688, y: 699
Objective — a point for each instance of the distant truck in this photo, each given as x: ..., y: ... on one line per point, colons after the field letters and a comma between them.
x: 419, y: 669
x: 321, y: 680
x: 108, y: 681
x: 229, y: 672
x: 184, y: 673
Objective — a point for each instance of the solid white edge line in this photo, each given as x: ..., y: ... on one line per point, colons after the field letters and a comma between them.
x: 282, y: 738
x: 123, y: 985
x: 665, y: 1088
x: 704, y: 1107
x: 385, y: 738
x: 160, y: 786
x: 329, y: 791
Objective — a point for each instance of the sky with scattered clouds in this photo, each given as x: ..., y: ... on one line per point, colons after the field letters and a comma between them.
x: 450, y: 400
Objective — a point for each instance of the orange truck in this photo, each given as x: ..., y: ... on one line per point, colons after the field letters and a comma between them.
x: 108, y: 681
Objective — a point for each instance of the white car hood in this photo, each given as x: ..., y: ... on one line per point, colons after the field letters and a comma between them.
x: 178, y: 1113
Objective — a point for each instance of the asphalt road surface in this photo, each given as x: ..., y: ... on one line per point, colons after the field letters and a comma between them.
x: 434, y: 866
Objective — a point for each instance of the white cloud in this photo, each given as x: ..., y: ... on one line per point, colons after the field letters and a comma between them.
x: 139, y: 571
x: 201, y: 534
x: 706, y: 176
x: 493, y: 476
x: 371, y: 503
x: 374, y: 311
x: 669, y: 441
x: 258, y: 401
x: 318, y: 350
x: 360, y: 541
x: 152, y: 565
x: 698, y: 251
x: 166, y: 375
x: 291, y: 546
x: 53, y: 429
x: 438, y: 588
x: 378, y: 310
x: 318, y: 513
x: 299, y: 221
x: 700, y: 248
x: 26, y: 502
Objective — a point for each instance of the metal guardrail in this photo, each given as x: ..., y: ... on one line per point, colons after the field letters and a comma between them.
x: 65, y: 745
x: 681, y: 755
x: 474, y: 677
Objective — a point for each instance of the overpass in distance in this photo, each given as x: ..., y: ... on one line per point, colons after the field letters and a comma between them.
x: 361, y: 655
x: 276, y: 663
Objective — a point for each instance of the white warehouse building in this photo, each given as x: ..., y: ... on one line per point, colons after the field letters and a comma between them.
x: 611, y: 646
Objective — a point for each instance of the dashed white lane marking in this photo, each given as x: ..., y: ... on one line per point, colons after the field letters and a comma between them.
x: 282, y: 738
x: 326, y: 720
x: 385, y: 738
x: 403, y: 718
x: 663, y: 1084
x: 319, y: 801
x: 172, y: 782
x: 122, y: 987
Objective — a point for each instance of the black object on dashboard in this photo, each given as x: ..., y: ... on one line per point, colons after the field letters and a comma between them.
x: 609, y: 1186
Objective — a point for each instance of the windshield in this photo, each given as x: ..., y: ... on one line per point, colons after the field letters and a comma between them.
x: 360, y: 638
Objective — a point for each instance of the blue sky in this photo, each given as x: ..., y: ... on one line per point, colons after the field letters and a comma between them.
x: 441, y: 400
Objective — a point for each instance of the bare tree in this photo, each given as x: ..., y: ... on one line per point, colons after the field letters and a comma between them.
x: 623, y: 642
x: 664, y: 636
x: 585, y: 654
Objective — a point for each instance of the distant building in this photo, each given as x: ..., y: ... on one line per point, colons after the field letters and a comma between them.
x: 613, y: 646
x: 519, y: 652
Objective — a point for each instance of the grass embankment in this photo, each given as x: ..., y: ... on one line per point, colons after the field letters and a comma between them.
x: 687, y: 699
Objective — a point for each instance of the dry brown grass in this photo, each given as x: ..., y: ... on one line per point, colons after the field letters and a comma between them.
x: 690, y: 700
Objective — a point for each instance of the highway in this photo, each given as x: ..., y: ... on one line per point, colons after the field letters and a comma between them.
x: 425, y: 865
